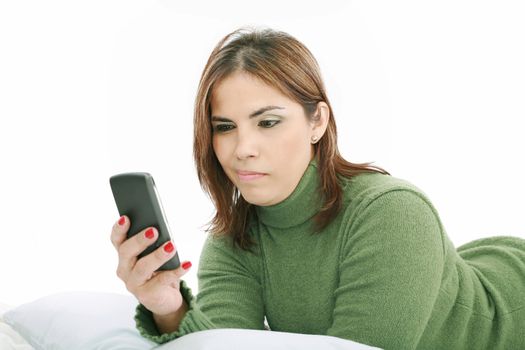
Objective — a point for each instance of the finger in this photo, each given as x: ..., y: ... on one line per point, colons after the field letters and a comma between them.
x: 165, y: 284
x: 162, y: 280
x: 172, y: 277
x: 119, y: 230
x: 145, y: 267
x: 131, y: 248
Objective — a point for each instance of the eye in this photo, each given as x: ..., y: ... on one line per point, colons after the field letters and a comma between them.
x: 269, y: 123
x: 222, y: 127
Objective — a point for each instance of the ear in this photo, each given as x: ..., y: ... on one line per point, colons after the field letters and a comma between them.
x: 320, y: 122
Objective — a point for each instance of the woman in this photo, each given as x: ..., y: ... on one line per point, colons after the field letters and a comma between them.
x: 309, y: 241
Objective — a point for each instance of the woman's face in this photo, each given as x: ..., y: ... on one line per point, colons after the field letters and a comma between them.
x: 256, y: 129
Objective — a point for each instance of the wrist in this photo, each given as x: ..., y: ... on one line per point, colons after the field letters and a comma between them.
x: 170, y: 322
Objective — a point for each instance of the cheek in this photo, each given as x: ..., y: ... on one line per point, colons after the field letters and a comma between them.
x: 293, y: 144
x: 218, y: 148
x: 223, y: 150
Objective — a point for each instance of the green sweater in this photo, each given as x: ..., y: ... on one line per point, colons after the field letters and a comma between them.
x: 383, y: 273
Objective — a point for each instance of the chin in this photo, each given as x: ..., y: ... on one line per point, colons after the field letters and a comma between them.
x: 256, y: 200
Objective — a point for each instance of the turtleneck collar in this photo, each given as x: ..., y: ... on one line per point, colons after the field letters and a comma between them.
x: 302, y: 204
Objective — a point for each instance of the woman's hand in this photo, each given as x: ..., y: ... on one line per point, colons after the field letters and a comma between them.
x: 157, y: 291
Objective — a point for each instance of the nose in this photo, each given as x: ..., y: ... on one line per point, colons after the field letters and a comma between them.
x: 246, y: 146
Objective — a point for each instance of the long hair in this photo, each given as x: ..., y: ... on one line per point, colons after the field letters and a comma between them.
x: 281, y: 61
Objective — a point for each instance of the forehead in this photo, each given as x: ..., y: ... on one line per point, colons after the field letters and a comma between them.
x: 244, y: 89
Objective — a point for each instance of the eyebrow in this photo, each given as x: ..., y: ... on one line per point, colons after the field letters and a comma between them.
x: 252, y: 115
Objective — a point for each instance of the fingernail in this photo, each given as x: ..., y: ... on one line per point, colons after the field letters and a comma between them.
x: 122, y: 220
x: 186, y: 265
x: 168, y: 248
x: 149, y: 233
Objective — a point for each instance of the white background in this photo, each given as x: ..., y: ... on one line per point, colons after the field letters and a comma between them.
x: 432, y: 91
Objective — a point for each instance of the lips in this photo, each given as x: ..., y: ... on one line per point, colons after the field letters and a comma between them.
x: 244, y: 173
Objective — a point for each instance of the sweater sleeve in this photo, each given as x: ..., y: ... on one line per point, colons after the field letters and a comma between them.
x: 230, y: 295
x: 391, y: 266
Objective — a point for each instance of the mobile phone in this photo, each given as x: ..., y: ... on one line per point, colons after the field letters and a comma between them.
x: 136, y: 197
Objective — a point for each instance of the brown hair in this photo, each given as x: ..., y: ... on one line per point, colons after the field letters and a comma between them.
x: 281, y: 61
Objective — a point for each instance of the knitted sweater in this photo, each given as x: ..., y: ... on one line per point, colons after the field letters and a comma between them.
x: 382, y: 273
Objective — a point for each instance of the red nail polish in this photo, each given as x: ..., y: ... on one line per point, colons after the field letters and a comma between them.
x: 122, y: 220
x: 186, y: 265
x: 168, y: 248
x: 149, y: 233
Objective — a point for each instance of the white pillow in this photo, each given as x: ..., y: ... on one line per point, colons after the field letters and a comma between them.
x: 227, y: 339
x: 79, y: 320
x: 95, y: 320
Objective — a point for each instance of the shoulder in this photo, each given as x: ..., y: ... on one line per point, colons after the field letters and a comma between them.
x: 363, y: 189
x: 387, y: 200
x: 374, y: 184
x: 388, y: 216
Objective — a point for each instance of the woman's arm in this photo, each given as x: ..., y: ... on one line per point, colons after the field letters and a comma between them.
x: 230, y: 296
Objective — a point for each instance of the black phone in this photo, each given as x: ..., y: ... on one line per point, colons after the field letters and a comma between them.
x: 136, y: 197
